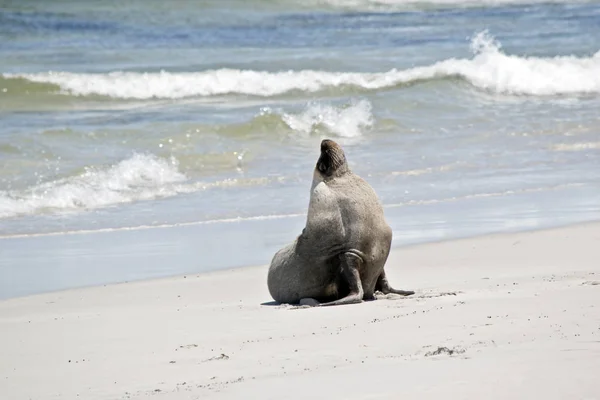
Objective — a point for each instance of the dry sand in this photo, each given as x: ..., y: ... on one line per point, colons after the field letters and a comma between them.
x: 504, y: 316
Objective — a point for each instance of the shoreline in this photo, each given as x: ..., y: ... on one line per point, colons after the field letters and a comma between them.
x: 497, y: 316
x: 482, y: 203
x: 149, y: 277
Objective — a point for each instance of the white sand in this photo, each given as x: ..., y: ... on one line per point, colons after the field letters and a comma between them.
x: 521, y: 313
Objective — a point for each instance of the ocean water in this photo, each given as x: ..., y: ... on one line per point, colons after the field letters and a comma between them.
x: 121, y: 120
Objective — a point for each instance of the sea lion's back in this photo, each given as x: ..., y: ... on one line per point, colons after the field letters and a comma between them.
x: 362, y: 215
x: 357, y: 196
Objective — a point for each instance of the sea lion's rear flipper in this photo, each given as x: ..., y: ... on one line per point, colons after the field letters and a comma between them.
x: 350, y: 264
x: 384, y: 287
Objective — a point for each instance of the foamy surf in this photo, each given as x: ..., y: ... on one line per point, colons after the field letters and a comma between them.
x: 489, y: 69
x: 140, y: 177
x: 576, y: 146
x: 348, y: 120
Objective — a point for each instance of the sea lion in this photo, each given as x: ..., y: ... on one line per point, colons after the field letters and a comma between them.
x: 340, y: 254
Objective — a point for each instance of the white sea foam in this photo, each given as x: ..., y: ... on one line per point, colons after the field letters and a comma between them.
x: 577, y: 146
x: 345, y: 121
x: 491, y: 69
x: 140, y: 177
x: 488, y: 69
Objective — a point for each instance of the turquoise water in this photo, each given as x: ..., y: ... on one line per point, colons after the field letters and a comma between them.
x: 466, y: 117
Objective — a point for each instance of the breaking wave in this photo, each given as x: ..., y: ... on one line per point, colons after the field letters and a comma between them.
x: 345, y: 121
x: 140, y: 177
x: 489, y: 69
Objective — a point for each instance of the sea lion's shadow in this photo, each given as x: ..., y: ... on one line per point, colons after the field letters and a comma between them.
x: 285, y: 306
x: 270, y: 303
x: 378, y: 296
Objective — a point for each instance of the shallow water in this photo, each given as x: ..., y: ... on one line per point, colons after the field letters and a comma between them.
x: 466, y: 117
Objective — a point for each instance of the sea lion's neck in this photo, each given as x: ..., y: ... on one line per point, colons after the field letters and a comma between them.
x: 322, y: 201
x: 317, y: 178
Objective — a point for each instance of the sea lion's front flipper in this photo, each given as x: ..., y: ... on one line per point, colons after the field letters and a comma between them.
x: 384, y: 287
x: 350, y: 264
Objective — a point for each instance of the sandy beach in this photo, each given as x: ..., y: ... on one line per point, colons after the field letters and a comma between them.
x: 512, y: 315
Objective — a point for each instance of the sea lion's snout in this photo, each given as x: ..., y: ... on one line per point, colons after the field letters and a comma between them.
x: 332, y: 161
x: 328, y: 144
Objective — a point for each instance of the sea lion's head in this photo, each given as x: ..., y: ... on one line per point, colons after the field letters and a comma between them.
x: 332, y: 162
